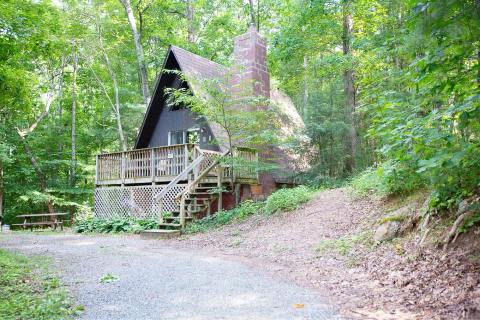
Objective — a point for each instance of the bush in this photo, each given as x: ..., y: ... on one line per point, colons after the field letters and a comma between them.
x: 244, y: 210
x: 287, y: 199
x: 116, y: 225
x: 388, y: 179
x: 281, y: 200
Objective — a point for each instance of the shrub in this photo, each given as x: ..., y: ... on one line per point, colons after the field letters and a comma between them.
x: 116, y: 225
x: 244, y: 210
x: 389, y: 178
x: 287, y: 199
x: 281, y: 200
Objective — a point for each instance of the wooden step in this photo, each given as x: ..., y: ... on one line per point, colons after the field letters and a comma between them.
x: 176, y: 219
x: 165, y: 225
x: 159, y: 234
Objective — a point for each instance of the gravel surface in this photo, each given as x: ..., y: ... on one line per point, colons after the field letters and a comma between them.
x: 156, y: 281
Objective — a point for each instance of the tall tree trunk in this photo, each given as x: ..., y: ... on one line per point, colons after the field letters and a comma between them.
x: 252, y: 13
x: 1, y: 193
x: 60, y: 108
x: 305, y: 88
x: 38, y: 170
x: 191, y: 27
x: 139, y: 50
x: 116, y: 106
x: 73, y: 165
x: 349, y: 88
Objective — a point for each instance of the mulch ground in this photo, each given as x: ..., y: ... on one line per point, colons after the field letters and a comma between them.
x: 394, y: 280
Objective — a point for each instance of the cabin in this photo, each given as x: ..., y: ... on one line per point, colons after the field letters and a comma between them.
x: 175, y: 171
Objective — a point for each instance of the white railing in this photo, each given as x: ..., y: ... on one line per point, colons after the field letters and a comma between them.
x: 143, y: 165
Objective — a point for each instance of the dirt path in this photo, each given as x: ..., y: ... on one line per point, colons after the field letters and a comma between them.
x: 156, y: 282
x: 395, y: 280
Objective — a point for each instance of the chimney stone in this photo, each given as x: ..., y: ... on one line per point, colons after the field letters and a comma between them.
x: 250, y: 53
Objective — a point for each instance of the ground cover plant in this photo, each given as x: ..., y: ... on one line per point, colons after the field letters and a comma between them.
x: 116, y: 225
x: 29, y: 291
x: 281, y: 200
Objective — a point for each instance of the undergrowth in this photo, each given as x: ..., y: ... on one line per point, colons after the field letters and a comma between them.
x: 29, y: 291
x: 281, y: 200
x: 389, y: 178
x: 117, y: 225
x: 345, y: 245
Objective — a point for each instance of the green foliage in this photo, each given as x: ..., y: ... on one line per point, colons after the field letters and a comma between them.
x: 244, y: 210
x: 287, y: 199
x: 107, y: 278
x: 388, y: 179
x: 117, y: 225
x: 395, y: 218
x: 281, y: 200
x: 345, y: 245
x: 472, y: 220
x: 29, y: 291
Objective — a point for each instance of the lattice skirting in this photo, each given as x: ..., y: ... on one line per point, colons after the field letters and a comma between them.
x: 133, y: 202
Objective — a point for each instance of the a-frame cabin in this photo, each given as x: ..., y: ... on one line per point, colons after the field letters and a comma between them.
x: 175, y: 166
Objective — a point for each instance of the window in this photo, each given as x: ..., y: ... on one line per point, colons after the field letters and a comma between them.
x: 177, y: 137
x: 183, y: 136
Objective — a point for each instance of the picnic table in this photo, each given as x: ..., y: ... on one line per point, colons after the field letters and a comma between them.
x: 53, y: 220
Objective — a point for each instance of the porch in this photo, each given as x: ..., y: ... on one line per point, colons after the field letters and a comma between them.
x: 160, y: 165
x: 182, y: 179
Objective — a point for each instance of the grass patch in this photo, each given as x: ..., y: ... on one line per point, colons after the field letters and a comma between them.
x: 29, y: 291
x: 346, y: 244
x: 288, y: 199
x: 281, y: 200
x: 244, y: 210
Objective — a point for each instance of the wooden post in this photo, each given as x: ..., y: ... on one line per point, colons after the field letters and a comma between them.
x: 219, y: 186
x: 122, y: 168
x: 160, y: 206
x: 152, y: 165
x: 185, y: 156
x: 182, y: 212
x: 96, y: 169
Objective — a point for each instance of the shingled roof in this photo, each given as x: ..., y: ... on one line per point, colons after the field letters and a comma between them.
x: 195, y: 69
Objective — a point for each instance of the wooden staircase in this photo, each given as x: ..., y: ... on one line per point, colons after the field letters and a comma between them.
x: 206, y: 178
x: 197, y: 203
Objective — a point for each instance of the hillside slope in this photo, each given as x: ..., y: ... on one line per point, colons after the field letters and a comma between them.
x: 328, y: 245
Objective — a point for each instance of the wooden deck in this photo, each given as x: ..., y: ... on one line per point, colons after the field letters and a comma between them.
x: 160, y: 165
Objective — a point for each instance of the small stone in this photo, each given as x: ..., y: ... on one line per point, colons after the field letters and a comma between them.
x: 387, y: 231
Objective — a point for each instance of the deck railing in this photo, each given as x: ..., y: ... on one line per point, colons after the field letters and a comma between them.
x: 143, y: 165
x: 160, y: 164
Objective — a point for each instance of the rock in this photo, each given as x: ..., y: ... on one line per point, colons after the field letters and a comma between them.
x: 463, y: 207
x: 387, y: 231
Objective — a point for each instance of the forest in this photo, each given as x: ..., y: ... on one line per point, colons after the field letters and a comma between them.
x: 389, y: 90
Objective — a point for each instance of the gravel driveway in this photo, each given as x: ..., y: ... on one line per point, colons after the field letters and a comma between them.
x: 158, y: 282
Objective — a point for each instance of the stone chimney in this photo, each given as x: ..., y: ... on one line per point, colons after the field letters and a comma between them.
x: 250, y: 52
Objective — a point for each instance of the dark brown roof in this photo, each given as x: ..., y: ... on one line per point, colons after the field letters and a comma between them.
x: 194, y: 68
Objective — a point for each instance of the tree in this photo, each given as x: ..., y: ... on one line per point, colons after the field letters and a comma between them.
x: 349, y: 86
x: 142, y: 68
x: 240, y: 114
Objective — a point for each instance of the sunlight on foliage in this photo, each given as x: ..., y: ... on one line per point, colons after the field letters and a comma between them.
x: 29, y: 291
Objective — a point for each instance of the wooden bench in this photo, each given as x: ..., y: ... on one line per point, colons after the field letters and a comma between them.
x: 53, y: 221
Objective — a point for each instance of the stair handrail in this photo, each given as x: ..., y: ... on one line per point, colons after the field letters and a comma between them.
x: 158, y: 199
x: 179, y: 177
x: 189, y: 187
x: 201, y: 175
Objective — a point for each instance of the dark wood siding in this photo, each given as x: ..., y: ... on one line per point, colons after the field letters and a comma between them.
x: 160, y: 119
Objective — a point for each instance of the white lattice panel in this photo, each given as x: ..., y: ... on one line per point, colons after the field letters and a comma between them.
x: 133, y: 202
